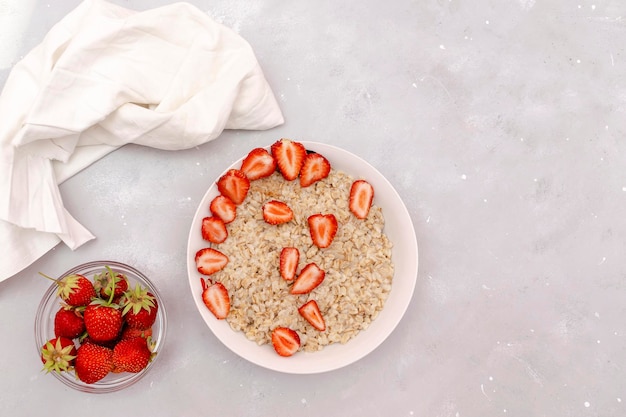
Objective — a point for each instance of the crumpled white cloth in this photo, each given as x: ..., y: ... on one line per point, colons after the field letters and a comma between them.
x: 104, y: 76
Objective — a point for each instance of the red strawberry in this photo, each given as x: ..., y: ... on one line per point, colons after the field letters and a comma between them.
x: 131, y: 355
x: 58, y: 354
x: 224, y: 208
x: 258, y: 164
x: 361, y: 197
x: 323, y: 228
x: 214, y: 230
x: 235, y: 185
x: 75, y: 290
x: 93, y: 362
x: 103, y: 321
x: 110, y: 281
x: 215, y: 297
x: 289, y: 258
x: 314, y: 168
x: 276, y: 212
x: 289, y: 156
x: 286, y: 341
x: 68, y: 322
x: 110, y: 344
x: 130, y: 332
x: 311, y: 312
x: 310, y: 277
x: 139, y: 308
x: 209, y: 261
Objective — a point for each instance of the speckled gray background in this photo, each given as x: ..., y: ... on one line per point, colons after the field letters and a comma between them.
x: 501, y: 125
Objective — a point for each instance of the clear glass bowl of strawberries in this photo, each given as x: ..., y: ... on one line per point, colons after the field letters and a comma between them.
x: 100, y: 326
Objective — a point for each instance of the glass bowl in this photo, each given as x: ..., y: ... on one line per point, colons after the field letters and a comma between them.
x: 50, y: 303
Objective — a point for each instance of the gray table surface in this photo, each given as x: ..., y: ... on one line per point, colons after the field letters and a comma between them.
x: 500, y: 124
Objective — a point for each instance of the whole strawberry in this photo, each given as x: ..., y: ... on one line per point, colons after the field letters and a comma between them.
x: 103, y: 321
x: 93, y: 362
x: 58, y: 354
x: 132, y: 355
x: 68, y: 322
x: 131, y: 332
x: 76, y: 290
x: 109, y: 282
x: 139, y: 308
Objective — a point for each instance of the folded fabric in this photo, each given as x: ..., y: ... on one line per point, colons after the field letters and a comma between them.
x: 104, y: 76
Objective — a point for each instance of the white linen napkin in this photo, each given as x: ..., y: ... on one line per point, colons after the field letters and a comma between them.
x: 104, y: 76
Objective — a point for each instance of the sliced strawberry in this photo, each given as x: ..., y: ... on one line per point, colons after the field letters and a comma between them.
x: 323, y: 228
x: 289, y: 258
x: 209, y: 261
x: 310, y: 277
x: 286, y: 341
x: 258, y: 164
x: 276, y: 212
x: 235, y: 185
x: 214, y: 229
x: 311, y: 313
x: 361, y: 197
x: 289, y: 156
x: 215, y: 297
x: 224, y: 208
x: 314, y: 168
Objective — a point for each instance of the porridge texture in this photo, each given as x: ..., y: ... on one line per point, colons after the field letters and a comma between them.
x: 358, y: 264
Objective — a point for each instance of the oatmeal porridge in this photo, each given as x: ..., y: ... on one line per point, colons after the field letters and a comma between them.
x: 358, y: 265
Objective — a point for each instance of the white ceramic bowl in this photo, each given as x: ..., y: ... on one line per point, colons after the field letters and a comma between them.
x: 398, y: 228
x: 50, y: 303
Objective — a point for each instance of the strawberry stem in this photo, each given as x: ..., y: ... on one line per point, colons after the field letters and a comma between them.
x: 50, y: 278
x: 111, y: 284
